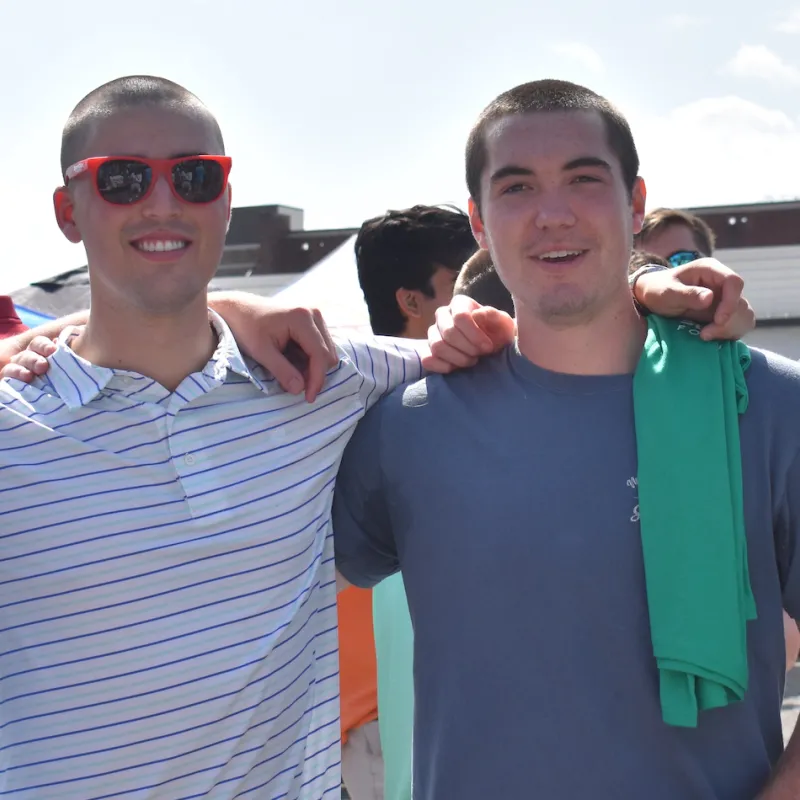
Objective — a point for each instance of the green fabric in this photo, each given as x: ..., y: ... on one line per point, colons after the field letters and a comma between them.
x: 688, y: 395
x: 394, y: 645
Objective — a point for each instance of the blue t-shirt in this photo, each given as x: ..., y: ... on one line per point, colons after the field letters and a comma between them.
x: 508, y: 496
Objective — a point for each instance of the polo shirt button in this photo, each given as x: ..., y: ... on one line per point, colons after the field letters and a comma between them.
x: 189, y: 459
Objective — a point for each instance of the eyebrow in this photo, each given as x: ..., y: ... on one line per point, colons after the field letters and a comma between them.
x: 512, y: 170
x: 587, y: 161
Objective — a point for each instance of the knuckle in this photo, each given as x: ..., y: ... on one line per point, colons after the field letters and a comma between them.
x: 736, y: 280
x: 303, y: 315
x: 462, y: 317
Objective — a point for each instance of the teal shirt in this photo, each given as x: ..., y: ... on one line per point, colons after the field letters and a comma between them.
x: 394, y: 645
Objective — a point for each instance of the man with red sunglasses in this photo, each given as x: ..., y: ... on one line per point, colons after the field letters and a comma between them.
x: 169, y: 619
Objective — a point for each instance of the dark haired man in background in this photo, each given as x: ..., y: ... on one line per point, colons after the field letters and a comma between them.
x: 408, y: 261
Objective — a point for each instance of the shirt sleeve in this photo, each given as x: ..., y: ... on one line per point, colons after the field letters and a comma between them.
x: 362, y: 528
x: 383, y: 363
x: 788, y: 541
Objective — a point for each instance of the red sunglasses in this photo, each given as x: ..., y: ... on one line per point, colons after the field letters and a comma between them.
x: 127, y: 180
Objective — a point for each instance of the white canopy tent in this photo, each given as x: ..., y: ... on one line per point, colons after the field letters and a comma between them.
x: 332, y: 287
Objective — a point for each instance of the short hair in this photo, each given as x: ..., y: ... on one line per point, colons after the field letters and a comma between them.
x: 402, y: 250
x: 479, y: 280
x: 125, y: 93
x: 550, y: 96
x: 640, y: 258
x: 662, y: 218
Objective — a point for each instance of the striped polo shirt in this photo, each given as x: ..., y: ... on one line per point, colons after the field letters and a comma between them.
x: 167, y: 593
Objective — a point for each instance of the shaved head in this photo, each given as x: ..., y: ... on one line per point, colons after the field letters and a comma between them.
x: 123, y: 94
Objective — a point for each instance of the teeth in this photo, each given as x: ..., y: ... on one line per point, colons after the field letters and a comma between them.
x: 560, y: 254
x: 160, y: 246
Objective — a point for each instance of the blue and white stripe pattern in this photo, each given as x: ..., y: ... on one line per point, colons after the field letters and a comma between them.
x: 167, y: 595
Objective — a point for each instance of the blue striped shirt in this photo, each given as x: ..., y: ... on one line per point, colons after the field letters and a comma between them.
x: 167, y: 594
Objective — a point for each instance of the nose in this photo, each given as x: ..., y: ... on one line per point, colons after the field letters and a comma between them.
x: 161, y: 203
x: 554, y: 210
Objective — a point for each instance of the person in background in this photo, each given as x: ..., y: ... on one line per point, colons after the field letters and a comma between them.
x: 641, y: 258
x: 675, y: 235
x: 479, y: 280
x: 10, y: 323
x: 407, y: 261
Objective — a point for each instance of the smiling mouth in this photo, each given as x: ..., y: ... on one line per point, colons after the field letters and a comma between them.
x: 560, y: 256
x: 160, y: 245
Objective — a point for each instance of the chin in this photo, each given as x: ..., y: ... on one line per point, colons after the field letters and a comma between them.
x: 565, y: 302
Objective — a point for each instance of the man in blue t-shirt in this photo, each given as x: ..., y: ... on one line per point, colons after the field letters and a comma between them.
x: 507, y: 495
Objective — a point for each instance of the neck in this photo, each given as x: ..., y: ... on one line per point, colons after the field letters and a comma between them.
x: 415, y: 329
x: 609, y: 344
x: 165, y: 347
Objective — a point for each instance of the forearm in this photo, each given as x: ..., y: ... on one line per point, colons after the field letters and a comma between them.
x: 51, y: 330
x: 227, y: 303
x: 785, y: 781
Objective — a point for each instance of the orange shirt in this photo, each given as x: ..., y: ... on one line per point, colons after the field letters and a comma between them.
x: 358, y: 671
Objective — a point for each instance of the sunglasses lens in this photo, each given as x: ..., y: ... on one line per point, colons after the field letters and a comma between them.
x: 123, y: 182
x: 199, y: 180
x: 683, y: 257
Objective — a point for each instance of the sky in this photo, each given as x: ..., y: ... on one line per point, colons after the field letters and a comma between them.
x: 346, y: 109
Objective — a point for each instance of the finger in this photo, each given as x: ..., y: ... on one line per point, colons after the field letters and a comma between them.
x: 17, y: 372
x: 703, y: 272
x: 33, y: 362
x: 42, y: 345
x: 729, y: 296
x: 693, y: 298
x: 315, y: 345
x: 453, y: 356
x: 434, y: 335
x: 738, y: 325
x: 333, y: 359
x: 440, y: 366
x: 436, y: 365
x: 467, y: 324
x: 279, y: 364
x: 461, y: 331
x: 497, y: 325
x: 459, y: 316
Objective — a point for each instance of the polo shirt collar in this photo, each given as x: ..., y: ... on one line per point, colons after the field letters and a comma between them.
x: 78, y: 382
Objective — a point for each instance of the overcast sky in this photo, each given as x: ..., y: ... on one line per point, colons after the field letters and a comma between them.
x: 346, y: 109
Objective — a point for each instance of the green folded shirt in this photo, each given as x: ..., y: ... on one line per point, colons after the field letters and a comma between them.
x: 688, y: 395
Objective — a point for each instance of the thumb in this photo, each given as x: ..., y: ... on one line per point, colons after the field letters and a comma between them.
x: 287, y: 375
x: 497, y: 325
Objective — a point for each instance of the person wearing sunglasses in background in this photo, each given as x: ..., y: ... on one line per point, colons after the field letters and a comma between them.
x: 679, y: 238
